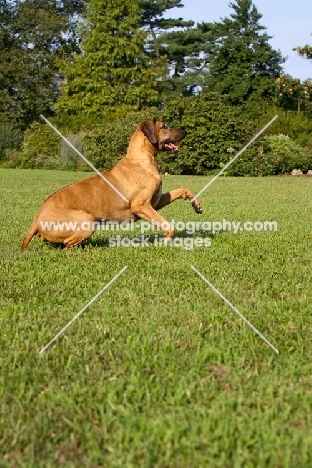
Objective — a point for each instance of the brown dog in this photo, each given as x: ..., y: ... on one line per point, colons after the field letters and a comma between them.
x: 136, y: 178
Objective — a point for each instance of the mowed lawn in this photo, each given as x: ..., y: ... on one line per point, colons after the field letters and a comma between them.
x: 159, y: 371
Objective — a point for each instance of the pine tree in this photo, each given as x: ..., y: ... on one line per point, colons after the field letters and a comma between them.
x: 153, y: 21
x: 187, y: 54
x: 243, y: 64
x: 114, y: 74
x: 178, y: 46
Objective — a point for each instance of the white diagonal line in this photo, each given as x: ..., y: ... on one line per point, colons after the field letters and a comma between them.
x: 83, y: 309
x: 84, y: 158
x: 233, y: 159
x: 235, y: 310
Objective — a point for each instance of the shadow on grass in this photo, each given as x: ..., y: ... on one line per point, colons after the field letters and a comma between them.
x: 152, y: 239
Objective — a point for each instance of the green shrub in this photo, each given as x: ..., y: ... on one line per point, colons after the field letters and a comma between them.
x: 215, y: 130
x: 103, y: 145
x: 282, y: 155
x: 277, y: 154
x: 308, y: 146
x: 296, y: 125
x: 43, y: 148
x: 39, y: 149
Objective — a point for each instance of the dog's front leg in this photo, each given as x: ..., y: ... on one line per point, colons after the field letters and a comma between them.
x: 173, y: 195
x: 146, y: 211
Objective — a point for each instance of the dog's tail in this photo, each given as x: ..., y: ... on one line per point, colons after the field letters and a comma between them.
x: 33, y: 230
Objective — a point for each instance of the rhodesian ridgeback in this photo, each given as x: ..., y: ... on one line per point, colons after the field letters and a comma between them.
x: 132, y: 190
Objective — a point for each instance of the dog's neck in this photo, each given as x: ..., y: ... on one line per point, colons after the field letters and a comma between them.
x: 143, y: 155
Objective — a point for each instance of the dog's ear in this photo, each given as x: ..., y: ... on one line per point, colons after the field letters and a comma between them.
x: 148, y: 128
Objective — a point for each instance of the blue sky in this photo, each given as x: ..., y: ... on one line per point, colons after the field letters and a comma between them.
x: 290, y: 24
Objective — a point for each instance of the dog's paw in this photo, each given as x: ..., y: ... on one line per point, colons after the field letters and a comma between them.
x: 197, y: 206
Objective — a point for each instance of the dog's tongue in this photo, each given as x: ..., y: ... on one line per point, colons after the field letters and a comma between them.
x: 172, y: 146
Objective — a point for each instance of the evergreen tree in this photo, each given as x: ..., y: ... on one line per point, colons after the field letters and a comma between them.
x: 114, y: 73
x: 178, y: 46
x: 187, y: 53
x: 153, y: 21
x: 243, y: 63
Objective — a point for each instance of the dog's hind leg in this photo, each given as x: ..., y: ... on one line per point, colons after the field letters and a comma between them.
x: 173, y: 195
x: 85, y: 227
x: 75, y: 241
x: 70, y: 227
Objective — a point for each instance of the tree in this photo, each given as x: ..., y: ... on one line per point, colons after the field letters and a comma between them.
x: 178, y: 42
x: 187, y: 54
x: 305, y: 51
x: 294, y: 95
x: 152, y: 20
x: 33, y: 33
x: 243, y: 64
x: 6, y: 18
x: 114, y: 73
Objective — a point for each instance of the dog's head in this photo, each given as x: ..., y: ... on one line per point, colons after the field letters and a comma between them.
x: 161, y: 136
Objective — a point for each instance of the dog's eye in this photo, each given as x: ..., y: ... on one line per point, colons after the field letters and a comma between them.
x: 165, y: 127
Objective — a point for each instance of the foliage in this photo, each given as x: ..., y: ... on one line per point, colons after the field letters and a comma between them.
x: 113, y: 74
x: 294, y: 124
x: 152, y: 19
x: 305, y: 51
x: 277, y: 155
x: 294, y: 95
x: 10, y: 138
x: 106, y: 144
x: 180, y: 43
x: 215, y: 129
x: 186, y: 52
x: 42, y: 148
x: 242, y: 61
x: 33, y: 33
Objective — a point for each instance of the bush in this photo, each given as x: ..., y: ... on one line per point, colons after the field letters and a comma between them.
x: 43, y: 148
x: 296, y: 125
x: 277, y: 154
x: 308, y: 146
x: 215, y: 130
x: 282, y: 155
x: 39, y: 149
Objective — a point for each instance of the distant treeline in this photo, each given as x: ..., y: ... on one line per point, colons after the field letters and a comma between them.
x: 96, y: 66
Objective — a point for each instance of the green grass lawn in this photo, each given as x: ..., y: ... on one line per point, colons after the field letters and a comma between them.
x: 159, y: 371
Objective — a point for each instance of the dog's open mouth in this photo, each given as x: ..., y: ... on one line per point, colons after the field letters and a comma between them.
x: 171, y: 147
